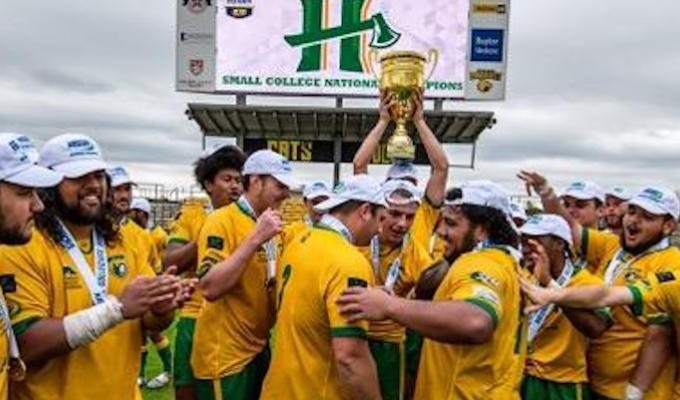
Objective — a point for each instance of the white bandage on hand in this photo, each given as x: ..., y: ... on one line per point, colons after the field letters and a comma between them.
x: 86, y: 326
x: 634, y: 393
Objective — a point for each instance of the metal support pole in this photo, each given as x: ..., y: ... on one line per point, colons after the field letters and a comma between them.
x: 337, y: 158
x: 240, y: 136
x: 438, y: 104
x: 474, y: 154
x: 203, y: 141
x: 337, y: 147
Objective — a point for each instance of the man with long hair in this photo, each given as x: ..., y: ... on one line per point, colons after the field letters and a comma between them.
x: 477, y: 304
x: 83, y: 294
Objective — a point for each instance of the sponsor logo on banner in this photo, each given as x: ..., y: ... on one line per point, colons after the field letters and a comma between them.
x: 314, y: 35
x: 489, y: 8
x: 196, y: 6
x: 487, y: 45
x: 485, y: 79
x: 196, y: 67
x: 195, y: 37
x: 239, y: 8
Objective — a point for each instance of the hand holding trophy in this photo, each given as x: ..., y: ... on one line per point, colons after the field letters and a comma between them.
x: 402, y: 76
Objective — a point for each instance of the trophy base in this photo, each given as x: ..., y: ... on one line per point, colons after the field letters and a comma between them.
x: 401, y: 148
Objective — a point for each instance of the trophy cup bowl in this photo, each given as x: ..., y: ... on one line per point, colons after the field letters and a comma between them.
x: 402, y: 73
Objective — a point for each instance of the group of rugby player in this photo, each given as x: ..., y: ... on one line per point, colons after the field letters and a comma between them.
x: 382, y: 291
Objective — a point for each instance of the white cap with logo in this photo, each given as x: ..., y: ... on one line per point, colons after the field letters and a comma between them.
x: 548, y: 224
x: 267, y: 162
x: 585, y: 190
x: 18, y: 163
x: 141, y: 204
x: 119, y: 176
x: 413, y: 193
x: 72, y: 154
x: 402, y: 170
x: 620, y: 193
x: 484, y: 193
x: 358, y: 188
x: 517, y: 211
x: 316, y: 189
x: 658, y: 201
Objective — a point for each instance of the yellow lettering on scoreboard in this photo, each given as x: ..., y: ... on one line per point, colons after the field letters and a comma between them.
x: 293, y: 150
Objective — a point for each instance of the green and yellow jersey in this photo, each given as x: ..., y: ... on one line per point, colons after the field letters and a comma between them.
x: 315, y: 268
x: 414, y: 260
x: 186, y: 228
x: 558, y: 352
x: 49, y: 286
x: 234, y: 329
x: 488, y: 279
x: 612, y: 357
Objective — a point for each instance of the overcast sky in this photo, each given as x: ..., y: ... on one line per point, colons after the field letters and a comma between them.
x: 593, y: 92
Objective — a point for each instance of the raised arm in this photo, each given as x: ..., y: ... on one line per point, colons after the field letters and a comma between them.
x: 436, y: 185
x: 372, y: 141
x: 551, y: 203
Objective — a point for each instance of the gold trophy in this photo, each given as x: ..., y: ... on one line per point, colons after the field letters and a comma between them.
x: 401, y: 74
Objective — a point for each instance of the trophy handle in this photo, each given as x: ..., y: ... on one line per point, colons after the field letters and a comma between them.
x: 372, y: 59
x: 432, y: 58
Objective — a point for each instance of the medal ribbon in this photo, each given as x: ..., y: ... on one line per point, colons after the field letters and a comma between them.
x: 98, y: 282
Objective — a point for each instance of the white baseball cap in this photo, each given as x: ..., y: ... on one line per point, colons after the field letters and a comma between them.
x: 357, y: 187
x: 484, y: 193
x: 18, y: 163
x: 658, y: 201
x: 517, y: 211
x: 585, y: 190
x: 316, y: 189
x: 72, y: 154
x: 141, y: 204
x: 402, y: 170
x: 267, y: 162
x: 119, y: 176
x: 620, y: 193
x: 392, y: 186
x: 548, y: 224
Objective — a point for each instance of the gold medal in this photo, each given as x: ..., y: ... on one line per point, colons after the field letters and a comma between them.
x: 17, y: 369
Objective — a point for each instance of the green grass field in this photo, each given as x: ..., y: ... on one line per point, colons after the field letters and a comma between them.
x: 154, y: 367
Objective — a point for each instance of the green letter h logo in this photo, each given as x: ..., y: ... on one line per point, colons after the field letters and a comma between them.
x: 313, y: 35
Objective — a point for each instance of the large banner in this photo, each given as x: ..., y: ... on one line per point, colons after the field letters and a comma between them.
x: 331, y: 47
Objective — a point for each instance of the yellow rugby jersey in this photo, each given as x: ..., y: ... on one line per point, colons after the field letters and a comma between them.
x: 130, y: 228
x: 186, y: 228
x: 415, y: 260
x: 315, y: 268
x: 48, y: 285
x: 292, y: 230
x: 424, y: 223
x: 160, y: 239
x: 558, y: 352
x: 597, y: 248
x: 4, y: 354
x: 612, y: 356
x: 232, y: 330
x: 487, y: 278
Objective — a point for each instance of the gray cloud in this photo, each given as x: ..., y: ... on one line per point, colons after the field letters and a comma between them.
x: 593, y: 89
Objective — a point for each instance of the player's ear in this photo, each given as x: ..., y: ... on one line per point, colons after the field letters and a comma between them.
x: 669, y: 225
